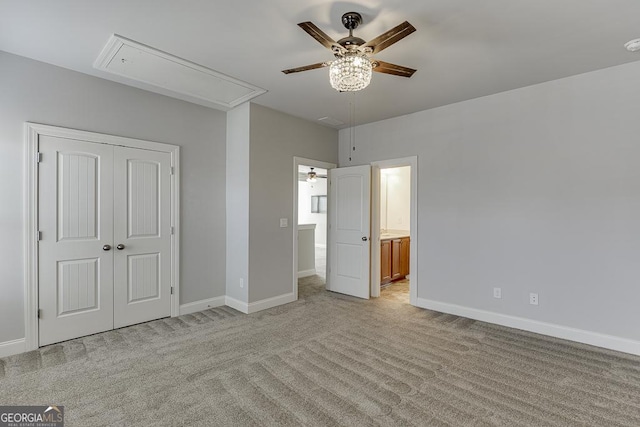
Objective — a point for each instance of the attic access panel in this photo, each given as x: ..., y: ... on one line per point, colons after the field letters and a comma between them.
x: 133, y: 60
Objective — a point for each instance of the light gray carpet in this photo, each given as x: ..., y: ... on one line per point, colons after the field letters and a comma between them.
x: 326, y: 360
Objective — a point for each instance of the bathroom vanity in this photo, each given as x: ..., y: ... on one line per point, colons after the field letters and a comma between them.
x: 394, y: 256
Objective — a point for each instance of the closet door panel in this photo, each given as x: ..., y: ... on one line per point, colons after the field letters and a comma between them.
x: 142, y: 236
x: 75, y: 217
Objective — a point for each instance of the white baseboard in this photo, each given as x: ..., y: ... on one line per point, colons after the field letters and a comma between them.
x: 241, y: 306
x: 204, y: 304
x: 572, y: 334
x: 9, y: 348
x: 271, y: 302
x: 256, y: 306
x: 306, y: 273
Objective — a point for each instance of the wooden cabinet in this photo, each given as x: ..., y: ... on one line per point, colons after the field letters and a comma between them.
x: 404, y: 256
x: 396, y: 251
x: 385, y: 261
x: 394, y: 259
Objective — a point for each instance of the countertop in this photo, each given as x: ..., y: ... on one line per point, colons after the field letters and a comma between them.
x: 393, y: 234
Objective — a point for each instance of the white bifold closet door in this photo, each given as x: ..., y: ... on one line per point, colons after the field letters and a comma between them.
x: 105, y: 245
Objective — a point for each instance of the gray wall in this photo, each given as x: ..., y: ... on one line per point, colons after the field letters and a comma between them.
x: 531, y: 190
x: 276, y: 138
x: 238, y: 133
x: 42, y: 93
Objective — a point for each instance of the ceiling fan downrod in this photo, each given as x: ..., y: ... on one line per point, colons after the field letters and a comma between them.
x: 351, y: 21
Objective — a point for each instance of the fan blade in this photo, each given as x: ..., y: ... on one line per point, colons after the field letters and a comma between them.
x: 306, y: 67
x: 392, y: 36
x: 317, y: 34
x: 396, y: 70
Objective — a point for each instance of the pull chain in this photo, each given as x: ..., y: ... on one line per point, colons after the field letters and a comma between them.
x: 352, y: 129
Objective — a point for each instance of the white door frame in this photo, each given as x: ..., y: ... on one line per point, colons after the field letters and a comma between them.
x: 32, y: 136
x: 375, y: 224
x: 297, y: 161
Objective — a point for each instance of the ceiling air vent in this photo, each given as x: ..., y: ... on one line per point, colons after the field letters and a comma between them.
x: 145, y: 64
x: 331, y: 121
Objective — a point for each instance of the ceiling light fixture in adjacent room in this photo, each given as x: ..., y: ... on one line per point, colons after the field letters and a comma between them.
x: 311, y: 176
x: 632, y: 45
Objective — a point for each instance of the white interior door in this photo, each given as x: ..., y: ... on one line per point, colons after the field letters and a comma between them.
x: 76, y: 223
x: 349, y: 230
x: 142, y: 235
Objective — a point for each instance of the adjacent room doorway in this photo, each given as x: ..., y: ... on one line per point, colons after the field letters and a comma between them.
x: 394, y: 228
x: 395, y: 232
x: 310, y: 220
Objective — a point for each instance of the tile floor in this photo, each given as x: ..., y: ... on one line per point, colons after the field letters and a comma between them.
x: 398, y: 291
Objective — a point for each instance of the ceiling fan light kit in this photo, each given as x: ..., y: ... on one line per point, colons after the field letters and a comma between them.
x: 351, y: 70
x: 311, y: 176
x: 350, y: 73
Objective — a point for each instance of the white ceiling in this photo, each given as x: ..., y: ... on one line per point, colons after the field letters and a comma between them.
x: 305, y: 169
x: 462, y: 49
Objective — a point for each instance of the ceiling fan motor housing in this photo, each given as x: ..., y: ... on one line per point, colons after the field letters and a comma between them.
x: 351, y: 20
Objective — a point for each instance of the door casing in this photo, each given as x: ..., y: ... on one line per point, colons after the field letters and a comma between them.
x: 375, y: 224
x: 297, y: 161
x: 33, y: 131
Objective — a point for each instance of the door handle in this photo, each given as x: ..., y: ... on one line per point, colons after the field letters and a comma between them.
x: 120, y: 247
x: 364, y: 239
x: 106, y: 248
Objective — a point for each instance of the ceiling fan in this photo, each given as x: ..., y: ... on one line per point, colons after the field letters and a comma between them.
x: 311, y: 176
x: 351, y: 70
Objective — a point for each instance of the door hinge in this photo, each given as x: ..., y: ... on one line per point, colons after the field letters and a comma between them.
x: 173, y: 230
x: 39, y: 313
x: 171, y: 170
x: 39, y: 235
x: 172, y: 290
x: 38, y: 157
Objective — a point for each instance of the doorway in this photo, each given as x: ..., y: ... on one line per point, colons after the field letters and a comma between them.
x: 310, y: 222
x: 394, y: 230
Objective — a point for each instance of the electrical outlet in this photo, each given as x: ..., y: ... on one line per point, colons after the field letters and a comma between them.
x: 497, y: 293
x: 241, y: 282
x: 533, y: 299
x: 284, y: 222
